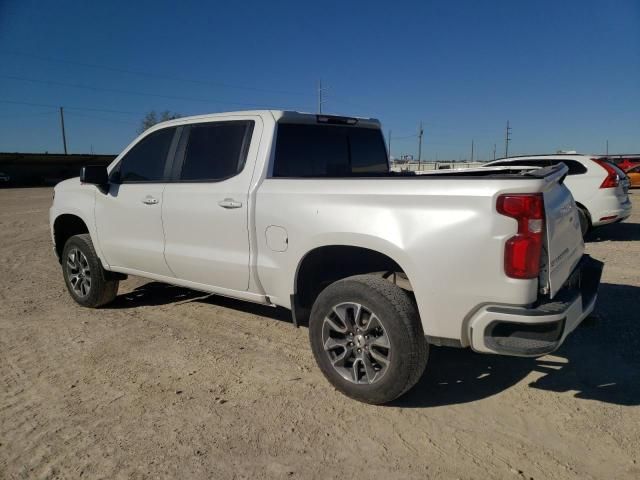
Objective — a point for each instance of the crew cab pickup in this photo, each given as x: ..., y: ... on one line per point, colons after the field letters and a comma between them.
x: 302, y: 211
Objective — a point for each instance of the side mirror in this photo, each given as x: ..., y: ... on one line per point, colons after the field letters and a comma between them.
x: 94, y: 175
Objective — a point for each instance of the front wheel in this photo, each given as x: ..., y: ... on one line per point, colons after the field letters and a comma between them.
x: 367, y: 338
x: 84, y: 276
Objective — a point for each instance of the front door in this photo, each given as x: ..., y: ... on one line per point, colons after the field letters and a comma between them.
x: 129, y: 215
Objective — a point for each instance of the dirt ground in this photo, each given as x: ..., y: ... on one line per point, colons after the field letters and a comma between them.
x: 170, y: 383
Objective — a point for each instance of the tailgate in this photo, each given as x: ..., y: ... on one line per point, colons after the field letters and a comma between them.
x: 564, y: 243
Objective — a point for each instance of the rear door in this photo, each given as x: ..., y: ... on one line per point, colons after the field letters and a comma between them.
x: 206, y: 208
x: 129, y: 216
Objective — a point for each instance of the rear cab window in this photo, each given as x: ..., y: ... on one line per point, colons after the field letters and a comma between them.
x: 328, y: 151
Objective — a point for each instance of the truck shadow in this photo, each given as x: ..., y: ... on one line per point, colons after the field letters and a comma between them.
x: 153, y: 294
x: 157, y: 293
x: 617, y: 232
x: 599, y: 362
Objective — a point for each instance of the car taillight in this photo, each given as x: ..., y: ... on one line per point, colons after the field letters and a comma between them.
x: 522, y: 251
x: 612, y: 180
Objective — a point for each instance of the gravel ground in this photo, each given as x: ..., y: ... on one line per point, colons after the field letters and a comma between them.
x: 171, y: 383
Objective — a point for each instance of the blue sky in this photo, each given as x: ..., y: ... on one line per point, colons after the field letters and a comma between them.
x: 566, y: 74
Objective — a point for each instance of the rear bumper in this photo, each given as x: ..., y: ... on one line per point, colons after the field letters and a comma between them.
x: 541, y: 328
x: 617, y: 213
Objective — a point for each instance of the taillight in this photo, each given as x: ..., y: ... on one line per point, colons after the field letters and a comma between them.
x: 612, y: 180
x: 522, y: 251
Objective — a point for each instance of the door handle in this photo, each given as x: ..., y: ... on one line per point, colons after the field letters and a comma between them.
x: 229, y: 203
x: 149, y: 200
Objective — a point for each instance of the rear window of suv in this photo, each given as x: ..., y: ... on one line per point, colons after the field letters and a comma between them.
x: 575, y: 167
x: 316, y: 151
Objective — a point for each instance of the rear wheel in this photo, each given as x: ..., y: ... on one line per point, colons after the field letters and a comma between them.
x: 367, y: 338
x: 86, y: 280
x: 585, y: 223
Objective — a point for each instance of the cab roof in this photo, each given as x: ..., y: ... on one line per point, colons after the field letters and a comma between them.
x: 283, y: 116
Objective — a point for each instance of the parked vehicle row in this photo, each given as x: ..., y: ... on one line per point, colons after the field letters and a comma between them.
x: 624, y: 162
x: 634, y: 176
x: 302, y: 211
x: 599, y: 188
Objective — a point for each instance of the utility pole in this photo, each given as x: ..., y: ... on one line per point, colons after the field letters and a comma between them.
x: 494, y: 151
x: 64, y: 136
x: 507, y: 139
x: 420, y: 133
x: 389, y: 145
x: 320, y: 100
x: 607, y: 147
x: 472, y: 149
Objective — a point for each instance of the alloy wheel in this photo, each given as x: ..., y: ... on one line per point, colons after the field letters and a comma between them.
x: 79, y: 272
x: 356, y: 343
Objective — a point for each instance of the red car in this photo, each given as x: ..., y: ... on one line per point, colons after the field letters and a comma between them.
x: 624, y: 162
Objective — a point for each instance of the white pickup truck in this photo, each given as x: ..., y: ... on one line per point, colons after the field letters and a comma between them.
x: 302, y: 211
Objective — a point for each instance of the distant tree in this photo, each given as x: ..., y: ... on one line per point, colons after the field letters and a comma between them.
x: 151, y: 118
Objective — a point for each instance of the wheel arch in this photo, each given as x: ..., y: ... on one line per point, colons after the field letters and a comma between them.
x: 323, y: 265
x: 585, y: 209
x: 65, y: 226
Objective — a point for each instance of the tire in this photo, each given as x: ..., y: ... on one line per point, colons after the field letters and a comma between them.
x: 585, y: 223
x: 86, y: 280
x: 387, y: 316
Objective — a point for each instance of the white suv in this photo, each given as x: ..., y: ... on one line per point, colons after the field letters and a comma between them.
x: 599, y: 188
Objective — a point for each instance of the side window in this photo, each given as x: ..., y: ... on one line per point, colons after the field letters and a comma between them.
x: 575, y: 168
x: 216, y: 151
x: 543, y: 162
x: 145, y: 162
x: 522, y: 163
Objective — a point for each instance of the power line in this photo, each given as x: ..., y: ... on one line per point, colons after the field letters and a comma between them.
x: 404, y: 137
x: 131, y: 92
x: 123, y: 122
x: 156, y: 75
x: 151, y: 74
x: 89, y: 109
x: 28, y: 115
